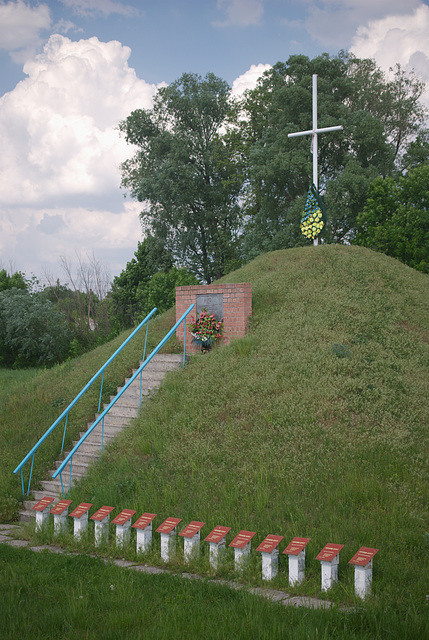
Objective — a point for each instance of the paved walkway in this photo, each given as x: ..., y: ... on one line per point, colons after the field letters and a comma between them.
x: 10, y: 534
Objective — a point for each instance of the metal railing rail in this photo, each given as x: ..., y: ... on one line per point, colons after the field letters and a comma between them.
x: 65, y: 413
x: 139, y: 372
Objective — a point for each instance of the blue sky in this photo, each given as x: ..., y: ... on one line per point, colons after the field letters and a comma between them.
x: 72, y: 69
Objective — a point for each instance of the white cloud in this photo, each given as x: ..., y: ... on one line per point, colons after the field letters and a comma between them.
x: 248, y: 80
x: 334, y: 23
x: 242, y: 13
x: 21, y: 26
x: 61, y: 151
x: 58, y: 125
x: 396, y: 39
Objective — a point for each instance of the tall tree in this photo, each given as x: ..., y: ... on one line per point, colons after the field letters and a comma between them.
x: 379, y: 116
x: 184, y: 173
x: 395, y: 219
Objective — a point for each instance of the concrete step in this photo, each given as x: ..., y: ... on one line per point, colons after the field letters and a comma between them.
x: 81, y: 457
x: 109, y: 421
x: 118, y: 418
x: 126, y: 412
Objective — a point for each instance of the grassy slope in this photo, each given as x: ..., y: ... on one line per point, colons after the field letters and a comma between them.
x: 30, y: 401
x: 279, y: 433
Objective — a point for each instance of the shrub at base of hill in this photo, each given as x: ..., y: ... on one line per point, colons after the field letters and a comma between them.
x: 32, y: 331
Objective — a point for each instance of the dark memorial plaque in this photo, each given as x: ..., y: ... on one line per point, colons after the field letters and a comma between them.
x: 213, y: 303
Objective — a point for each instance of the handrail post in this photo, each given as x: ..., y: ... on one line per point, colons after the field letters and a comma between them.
x: 101, y: 391
x: 31, y: 473
x: 184, y: 342
x: 64, y: 434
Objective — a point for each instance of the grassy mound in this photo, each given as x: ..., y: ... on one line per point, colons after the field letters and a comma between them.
x: 314, y: 424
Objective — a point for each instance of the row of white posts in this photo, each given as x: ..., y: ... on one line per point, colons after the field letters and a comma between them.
x: 328, y: 556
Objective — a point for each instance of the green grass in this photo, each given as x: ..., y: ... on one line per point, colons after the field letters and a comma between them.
x: 30, y: 401
x: 66, y: 597
x: 314, y: 425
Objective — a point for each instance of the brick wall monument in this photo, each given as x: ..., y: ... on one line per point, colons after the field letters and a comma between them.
x: 232, y: 302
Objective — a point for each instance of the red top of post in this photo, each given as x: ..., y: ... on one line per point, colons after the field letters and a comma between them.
x: 218, y: 534
x: 191, y: 529
x: 60, y: 507
x: 269, y: 544
x: 363, y: 556
x: 102, y: 513
x: 43, y: 503
x: 242, y: 539
x: 80, y: 510
x: 123, y: 517
x: 168, y: 525
x: 296, y: 545
x: 329, y: 552
x: 144, y: 521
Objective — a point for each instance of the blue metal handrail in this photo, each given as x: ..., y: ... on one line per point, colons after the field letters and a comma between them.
x: 65, y: 413
x: 69, y: 457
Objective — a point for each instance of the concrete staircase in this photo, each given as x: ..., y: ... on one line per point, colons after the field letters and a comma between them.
x: 118, y: 418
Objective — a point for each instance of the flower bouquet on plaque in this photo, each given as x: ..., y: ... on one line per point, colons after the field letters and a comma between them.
x: 206, y: 330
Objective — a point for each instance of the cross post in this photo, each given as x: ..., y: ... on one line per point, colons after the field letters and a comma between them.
x: 314, y: 132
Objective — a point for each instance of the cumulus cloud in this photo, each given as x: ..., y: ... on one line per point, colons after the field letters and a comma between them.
x: 58, y: 125
x: 60, y: 144
x: 334, y: 23
x: 249, y: 79
x: 21, y: 27
x: 399, y: 38
x: 241, y: 13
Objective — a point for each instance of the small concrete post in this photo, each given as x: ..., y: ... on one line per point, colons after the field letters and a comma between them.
x: 101, y: 524
x: 143, y: 525
x: 191, y: 540
x: 80, y: 516
x: 42, y: 511
x: 296, y: 554
x: 362, y: 561
x: 270, y: 556
x: 168, y: 532
x: 217, y: 540
x: 123, y: 524
x: 241, y: 545
x: 60, y: 513
x: 329, y: 560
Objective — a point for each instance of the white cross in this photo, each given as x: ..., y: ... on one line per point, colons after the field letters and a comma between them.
x: 313, y: 132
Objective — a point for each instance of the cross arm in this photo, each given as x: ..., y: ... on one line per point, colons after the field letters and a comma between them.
x: 311, y: 131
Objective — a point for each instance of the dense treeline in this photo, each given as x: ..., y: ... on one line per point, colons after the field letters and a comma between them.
x: 221, y: 182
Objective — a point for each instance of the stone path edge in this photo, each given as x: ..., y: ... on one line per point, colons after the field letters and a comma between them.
x: 274, y: 595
